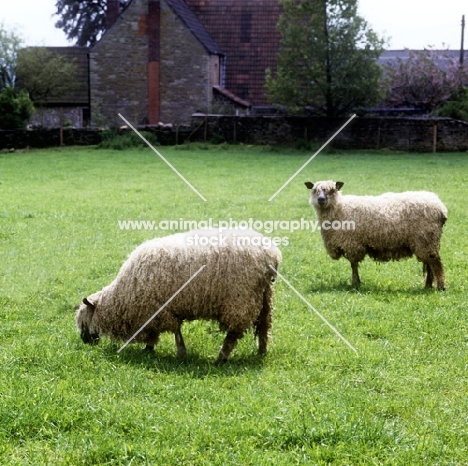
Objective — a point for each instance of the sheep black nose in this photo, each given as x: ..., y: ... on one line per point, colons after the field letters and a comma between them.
x: 322, y: 199
x: 89, y: 338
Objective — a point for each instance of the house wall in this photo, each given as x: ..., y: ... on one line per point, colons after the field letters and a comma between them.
x: 55, y: 117
x: 245, y: 30
x: 118, y: 65
x: 121, y: 64
x: 215, y: 71
x: 187, y: 72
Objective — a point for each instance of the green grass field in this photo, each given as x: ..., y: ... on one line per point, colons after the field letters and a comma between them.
x: 400, y: 401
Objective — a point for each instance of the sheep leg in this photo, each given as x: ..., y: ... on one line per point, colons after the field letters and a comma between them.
x: 263, y: 325
x: 429, y: 275
x: 180, y: 345
x: 229, y: 344
x: 153, y: 339
x: 355, y: 280
x: 438, y: 272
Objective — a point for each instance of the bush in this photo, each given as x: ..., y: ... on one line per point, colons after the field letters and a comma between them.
x: 127, y: 140
x: 15, y: 109
x: 302, y: 144
x: 457, y: 107
x: 217, y: 139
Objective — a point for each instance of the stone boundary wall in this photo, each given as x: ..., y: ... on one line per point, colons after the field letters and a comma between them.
x: 40, y: 138
x: 402, y: 134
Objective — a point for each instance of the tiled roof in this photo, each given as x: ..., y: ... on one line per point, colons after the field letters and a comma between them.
x: 186, y: 15
x: 392, y: 56
x: 246, y: 33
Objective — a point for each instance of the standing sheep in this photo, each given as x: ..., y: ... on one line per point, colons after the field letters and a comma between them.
x: 388, y: 227
x: 235, y: 288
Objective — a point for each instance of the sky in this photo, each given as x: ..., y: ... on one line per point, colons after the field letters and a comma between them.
x: 414, y: 24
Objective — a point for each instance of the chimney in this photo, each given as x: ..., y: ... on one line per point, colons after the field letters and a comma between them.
x: 154, y: 32
x: 112, y: 12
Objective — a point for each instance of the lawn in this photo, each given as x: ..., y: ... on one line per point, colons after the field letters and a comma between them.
x: 401, y: 400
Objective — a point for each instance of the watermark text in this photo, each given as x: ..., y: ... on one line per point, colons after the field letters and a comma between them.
x: 266, y: 226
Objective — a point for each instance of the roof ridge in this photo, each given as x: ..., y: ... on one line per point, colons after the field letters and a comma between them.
x: 233, y: 97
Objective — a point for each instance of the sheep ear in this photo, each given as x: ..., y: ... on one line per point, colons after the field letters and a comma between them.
x: 89, y: 303
x: 339, y: 185
x: 309, y: 184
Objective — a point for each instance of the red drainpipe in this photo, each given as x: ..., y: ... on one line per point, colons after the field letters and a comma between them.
x: 154, y: 44
x: 112, y: 12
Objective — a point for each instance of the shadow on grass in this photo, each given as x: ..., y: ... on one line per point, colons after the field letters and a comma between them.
x: 193, y: 364
x: 371, y: 287
x: 329, y: 287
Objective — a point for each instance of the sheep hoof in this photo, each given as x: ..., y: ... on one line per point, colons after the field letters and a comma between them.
x: 220, y: 360
x: 181, y: 353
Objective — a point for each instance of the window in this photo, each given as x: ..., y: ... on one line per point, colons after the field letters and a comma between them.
x: 246, y: 26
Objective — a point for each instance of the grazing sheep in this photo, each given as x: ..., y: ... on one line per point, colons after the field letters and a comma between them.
x: 235, y: 288
x: 388, y: 227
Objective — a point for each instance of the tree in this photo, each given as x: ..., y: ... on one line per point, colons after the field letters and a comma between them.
x: 83, y: 20
x: 425, y: 80
x: 15, y: 108
x: 45, y: 75
x: 327, y: 61
x: 10, y: 43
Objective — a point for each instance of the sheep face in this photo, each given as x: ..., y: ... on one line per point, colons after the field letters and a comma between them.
x: 324, y: 193
x: 84, y: 317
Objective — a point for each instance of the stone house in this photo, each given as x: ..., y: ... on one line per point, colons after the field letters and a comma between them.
x: 73, y: 106
x: 163, y: 60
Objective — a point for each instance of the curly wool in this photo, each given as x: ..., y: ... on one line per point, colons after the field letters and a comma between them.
x: 233, y: 288
x: 388, y: 227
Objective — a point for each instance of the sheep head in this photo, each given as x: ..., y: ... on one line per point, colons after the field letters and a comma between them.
x: 324, y: 193
x: 84, y: 317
